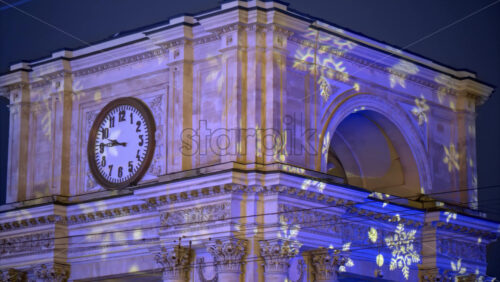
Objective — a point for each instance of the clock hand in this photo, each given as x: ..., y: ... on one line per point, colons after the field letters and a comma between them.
x: 115, y: 143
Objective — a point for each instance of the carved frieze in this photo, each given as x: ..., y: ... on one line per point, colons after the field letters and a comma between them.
x: 35, y: 242
x: 461, y: 249
x: 199, y: 215
x: 309, y: 218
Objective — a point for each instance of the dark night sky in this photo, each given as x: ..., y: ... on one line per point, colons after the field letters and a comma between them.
x: 458, y: 33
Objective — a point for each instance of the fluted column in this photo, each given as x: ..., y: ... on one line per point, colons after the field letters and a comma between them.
x: 228, y: 256
x: 325, y: 264
x: 277, y: 255
x: 53, y: 272
x: 175, y: 263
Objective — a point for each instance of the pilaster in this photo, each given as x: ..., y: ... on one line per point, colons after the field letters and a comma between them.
x: 178, y: 40
x: 62, y: 105
x: 18, y: 140
x: 273, y: 100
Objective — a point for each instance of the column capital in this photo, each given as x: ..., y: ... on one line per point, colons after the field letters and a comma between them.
x: 277, y: 254
x: 326, y: 264
x: 51, y: 272
x: 228, y: 254
x: 174, y: 262
x: 12, y: 275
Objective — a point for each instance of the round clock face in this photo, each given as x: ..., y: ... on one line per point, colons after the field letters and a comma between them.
x: 121, y: 143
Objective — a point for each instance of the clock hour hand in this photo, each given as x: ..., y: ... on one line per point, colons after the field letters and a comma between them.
x: 116, y: 143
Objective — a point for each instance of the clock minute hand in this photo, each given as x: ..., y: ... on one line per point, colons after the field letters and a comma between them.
x: 116, y: 143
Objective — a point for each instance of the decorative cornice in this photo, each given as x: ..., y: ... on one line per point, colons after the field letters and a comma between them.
x: 34, y: 221
x: 464, y: 229
x: 206, y: 39
x: 228, y: 28
x: 373, y: 64
x: 385, y: 217
x: 109, y: 213
x: 279, y: 30
x: 120, y: 62
x: 175, y: 43
x: 17, y: 86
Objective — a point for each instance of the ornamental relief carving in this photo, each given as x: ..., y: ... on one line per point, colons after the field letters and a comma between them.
x: 55, y: 272
x: 156, y: 105
x: 90, y: 182
x: 455, y: 248
x: 200, y: 215
x: 309, y: 218
x: 28, y: 243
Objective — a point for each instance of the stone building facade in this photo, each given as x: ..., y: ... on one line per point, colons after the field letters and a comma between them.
x: 287, y: 149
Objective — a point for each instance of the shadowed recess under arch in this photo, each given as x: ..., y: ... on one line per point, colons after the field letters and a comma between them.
x: 369, y: 151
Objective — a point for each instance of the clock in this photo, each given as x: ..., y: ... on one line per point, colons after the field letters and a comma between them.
x: 121, y: 143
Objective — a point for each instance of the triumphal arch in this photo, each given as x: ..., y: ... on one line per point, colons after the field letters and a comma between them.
x: 250, y: 142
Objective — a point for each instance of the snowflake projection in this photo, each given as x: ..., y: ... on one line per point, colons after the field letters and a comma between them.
x: 356, y: 87
x: 422, y: 190
x: 320, y: 55
x: 420, y: 110
x: 373, y: 235
x: 400, y: 71
x: 458, y: 267
x: 320, y: 186
x: 347, y: 261
x: 289, y: 232
x: 450, y: 216
x: 380, y: 196
x: 404, y: 253
x: 379, y: 260
x: 324, y: 88
x: 451, y: 157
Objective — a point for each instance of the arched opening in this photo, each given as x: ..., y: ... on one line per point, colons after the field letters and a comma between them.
x: 369, y: 151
